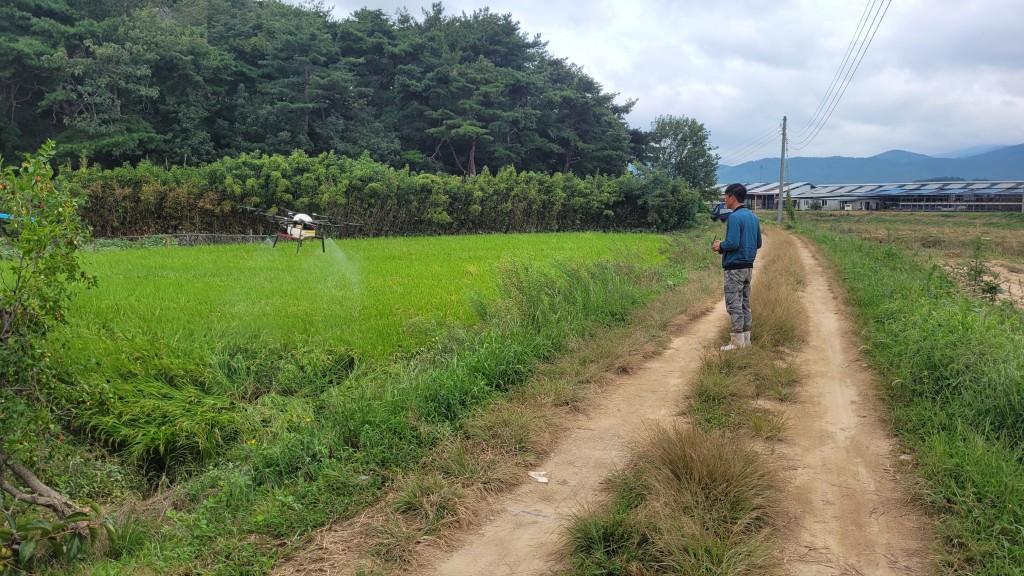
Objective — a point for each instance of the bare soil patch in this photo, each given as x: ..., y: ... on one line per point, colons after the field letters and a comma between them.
x: 1010, y: 281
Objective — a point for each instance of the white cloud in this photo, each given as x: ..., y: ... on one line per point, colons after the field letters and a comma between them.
x: 940, y: 75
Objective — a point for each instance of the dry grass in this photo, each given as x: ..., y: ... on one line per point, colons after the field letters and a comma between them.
x: 728, y: 386
x: 779, y: 316
x: 455, y: 486
x: 948, y: 234
x: 694, y: 502
x: 712, y: 477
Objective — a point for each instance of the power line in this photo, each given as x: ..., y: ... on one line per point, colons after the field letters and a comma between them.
x: 844, y: 73
x: 859, y: 57
x: 749, y: 152
x: 740, y: 148
x: 750, y: 147
x: 839, y: 70
x: 758, y: 137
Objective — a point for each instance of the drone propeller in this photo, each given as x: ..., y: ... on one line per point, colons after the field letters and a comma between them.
x: 272, y: 217
x: 289, y: 216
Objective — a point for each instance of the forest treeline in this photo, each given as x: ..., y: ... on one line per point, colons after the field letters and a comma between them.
x: 376, y: 199
x: 186, y: 82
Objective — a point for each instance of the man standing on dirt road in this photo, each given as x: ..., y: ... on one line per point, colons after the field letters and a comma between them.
x: 738, y: 250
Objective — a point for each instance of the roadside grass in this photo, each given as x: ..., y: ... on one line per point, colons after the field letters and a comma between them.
x: 256, y: 426
x: 699, y: 498
x: 729, y: 391
x: 955, y: 393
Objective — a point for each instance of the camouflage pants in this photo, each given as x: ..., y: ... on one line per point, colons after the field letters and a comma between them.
x: 737, y: 298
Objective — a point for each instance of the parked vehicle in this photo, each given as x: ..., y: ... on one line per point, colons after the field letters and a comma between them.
x: 720, y: 212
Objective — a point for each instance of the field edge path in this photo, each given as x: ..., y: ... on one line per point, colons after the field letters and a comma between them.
x: 847, y: 512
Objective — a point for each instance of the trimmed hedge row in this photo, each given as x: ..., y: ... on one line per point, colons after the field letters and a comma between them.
x: 381, y: 201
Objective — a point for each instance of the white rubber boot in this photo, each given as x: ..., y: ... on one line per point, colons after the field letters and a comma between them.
x: 746, y: 339
x: 735, y: 341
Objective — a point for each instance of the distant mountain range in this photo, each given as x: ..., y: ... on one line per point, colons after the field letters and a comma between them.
x: 996, y: 163
x: 967, y: 152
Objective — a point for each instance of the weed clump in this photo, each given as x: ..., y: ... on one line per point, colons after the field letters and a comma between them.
x: 693, y: 502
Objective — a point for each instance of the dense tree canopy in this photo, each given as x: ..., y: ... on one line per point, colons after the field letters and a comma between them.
x: 679, y: 145
x: 189, y: 81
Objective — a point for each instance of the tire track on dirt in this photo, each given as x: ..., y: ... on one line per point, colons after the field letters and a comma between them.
x: 846, y: 512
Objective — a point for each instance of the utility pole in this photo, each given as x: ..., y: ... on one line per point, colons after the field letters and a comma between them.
x: 782, y: 170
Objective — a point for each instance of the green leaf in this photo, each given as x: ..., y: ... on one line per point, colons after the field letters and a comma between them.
x: 26, y: 552
x: 56, y: 548
x: 42, y: 527
x: 77, y: 517
x: 75, y: 544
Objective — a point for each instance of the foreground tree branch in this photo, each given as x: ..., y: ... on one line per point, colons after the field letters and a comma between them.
x: 40, y: 495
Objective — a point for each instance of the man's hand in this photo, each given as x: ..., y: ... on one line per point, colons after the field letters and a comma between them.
x: 716, y: 246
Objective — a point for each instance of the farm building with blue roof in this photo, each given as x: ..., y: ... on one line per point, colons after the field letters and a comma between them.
x: 915, y: 196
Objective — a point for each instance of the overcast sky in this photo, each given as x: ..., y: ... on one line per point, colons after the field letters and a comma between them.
x: 940, y: 75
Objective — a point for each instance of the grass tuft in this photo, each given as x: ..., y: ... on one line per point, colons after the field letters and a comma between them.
x: 430, y: 498
x: 692, y: 503
x: 766, y: 424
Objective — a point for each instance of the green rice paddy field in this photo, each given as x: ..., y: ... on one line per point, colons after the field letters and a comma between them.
x: 371, y: 296
x: 256, y: 393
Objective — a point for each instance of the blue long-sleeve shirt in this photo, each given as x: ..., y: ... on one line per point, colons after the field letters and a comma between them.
x: 742, y: 239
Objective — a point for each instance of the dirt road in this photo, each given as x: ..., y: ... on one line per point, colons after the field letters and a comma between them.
x: 845, y: 511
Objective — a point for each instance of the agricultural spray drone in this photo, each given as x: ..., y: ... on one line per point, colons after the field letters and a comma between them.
x: 299, y: 226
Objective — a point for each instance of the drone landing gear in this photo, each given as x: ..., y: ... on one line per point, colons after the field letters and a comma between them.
x: 279, y: 236
x: 323, y: 242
